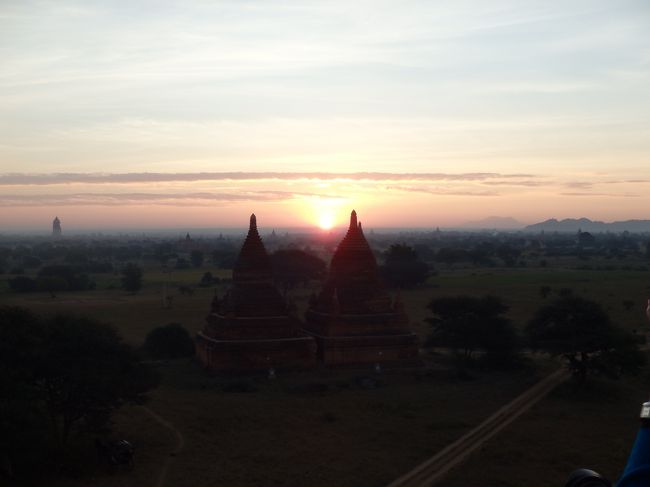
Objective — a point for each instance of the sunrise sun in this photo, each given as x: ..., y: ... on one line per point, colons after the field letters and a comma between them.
x: 326, y: 219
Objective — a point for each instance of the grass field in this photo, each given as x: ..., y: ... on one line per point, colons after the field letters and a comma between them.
x: 325, y: 428
x: 592, y: 428
x: 318, y: 428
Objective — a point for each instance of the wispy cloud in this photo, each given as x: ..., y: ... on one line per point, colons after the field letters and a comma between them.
x: 608, y: 195
x: 440, y: 191
x: 14, y: 179
x: 579, y: 184
x: 121, y: 199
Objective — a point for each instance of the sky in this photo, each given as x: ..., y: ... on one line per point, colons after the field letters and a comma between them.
x: 159, y: 114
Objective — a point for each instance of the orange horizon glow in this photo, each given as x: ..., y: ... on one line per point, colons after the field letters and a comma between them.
x: 383, y: 201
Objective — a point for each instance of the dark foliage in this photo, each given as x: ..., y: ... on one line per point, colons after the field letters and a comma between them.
x: 182, y: 263
x: 402, y: 268
x: 224, y: 258
x: 131, y: 278
x: 197, y: 258
x: 22, y: 284
x: 207, y: 280
x: 292, y: 267
x: 76, y: 281
x: 169, y: 342
x: 581, y: 331
x: 62, y: 374
x: 467, y: 324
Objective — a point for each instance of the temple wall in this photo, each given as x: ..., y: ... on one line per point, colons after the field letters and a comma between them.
x: 249, y: 355
x: 367, y: 349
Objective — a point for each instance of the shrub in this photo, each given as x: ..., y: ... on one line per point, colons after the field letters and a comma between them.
x: 169, y: 342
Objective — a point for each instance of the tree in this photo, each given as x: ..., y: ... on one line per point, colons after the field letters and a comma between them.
x: 197, y: 258
x: 293, y: 266
x: 580, y: 331
x: 22, y: 284
x: 467, y: 324
x: 76, y: 281
x: 131, y: 278
x: 86, y: 372
x: 544, y: 291
x: 402, y: 268
x: 21, y: 420
x: 169, y: 342
x: 60, y: 375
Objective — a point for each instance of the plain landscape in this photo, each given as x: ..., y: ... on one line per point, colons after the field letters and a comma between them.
x: 352, y: 426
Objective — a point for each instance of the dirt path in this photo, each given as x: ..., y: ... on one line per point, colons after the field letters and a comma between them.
x: 431, y: 471
x: 180, y: 443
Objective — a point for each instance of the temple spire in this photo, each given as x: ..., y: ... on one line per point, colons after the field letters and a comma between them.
x: 253, y: 223
x: 353, y: 220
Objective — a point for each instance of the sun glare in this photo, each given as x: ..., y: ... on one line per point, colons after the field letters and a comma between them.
x: 326, y: 220
x: 325, y: 213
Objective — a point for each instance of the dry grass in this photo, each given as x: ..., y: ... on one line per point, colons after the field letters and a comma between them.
x: 348, y: 435
x: 591, y: 428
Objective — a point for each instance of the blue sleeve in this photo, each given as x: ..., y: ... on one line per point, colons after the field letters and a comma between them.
x: 637, y: 470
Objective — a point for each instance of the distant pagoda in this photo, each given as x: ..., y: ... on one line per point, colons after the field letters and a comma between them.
x: 251, y: 327
x: 353, y: 318
x: 56, y: 227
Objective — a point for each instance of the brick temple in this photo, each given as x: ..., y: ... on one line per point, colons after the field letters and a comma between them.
x: 250, y: 328
x: 353, y: 319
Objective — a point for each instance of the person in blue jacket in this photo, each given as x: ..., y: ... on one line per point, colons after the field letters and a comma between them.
x: 637, y: 470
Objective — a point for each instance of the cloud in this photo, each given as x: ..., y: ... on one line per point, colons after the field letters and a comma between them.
x: 121, y: 199
x: 15, y: 179
x: 440, y: 192
x: 609, y: 195
x: 579, y: 184
x: 508, y: 182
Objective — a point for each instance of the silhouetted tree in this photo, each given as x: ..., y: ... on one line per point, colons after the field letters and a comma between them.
x: 22, y: 284
x: 468, y: 324
x: 169, y: 342
x: 76, y: 280
x: 67, y: 371
x: 197, y: 258
x: 292, y: 267
x: 402, y: 268
x: 131, y: 278
x: 208, y: 280
x: 86, y: 372
x: 224, y: 258
x: 580, y: 331
x: 22, y: 422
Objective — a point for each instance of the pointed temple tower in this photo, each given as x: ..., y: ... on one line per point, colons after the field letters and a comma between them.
x: 353, y: 319
x: 251, y: 328
x: 56, y: 227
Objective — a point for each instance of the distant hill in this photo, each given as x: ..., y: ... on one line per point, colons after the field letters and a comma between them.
x: 495, y: 222
x: 587, y: 225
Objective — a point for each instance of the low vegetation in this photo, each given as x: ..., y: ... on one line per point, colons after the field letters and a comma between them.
x: 479, y: 305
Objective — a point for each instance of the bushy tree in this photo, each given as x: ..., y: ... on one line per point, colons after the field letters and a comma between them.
x: 132, y: 277
x: 169, y: 342
x: 402, y: 268
x: 293, y: 266
x: 467, y: 324
x: 207, y: 279
x: 22, y: 284
x: 58, y: 375
x: 86, y: 372
x: 76, y: 280
x: 580, y: 331
x: 197, y: 258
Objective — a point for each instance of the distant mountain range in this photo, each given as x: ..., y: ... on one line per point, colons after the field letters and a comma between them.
x: 553, y: 225
x: 587, y: 225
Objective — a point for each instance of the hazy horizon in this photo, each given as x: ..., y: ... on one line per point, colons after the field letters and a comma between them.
x: 415, y: 114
